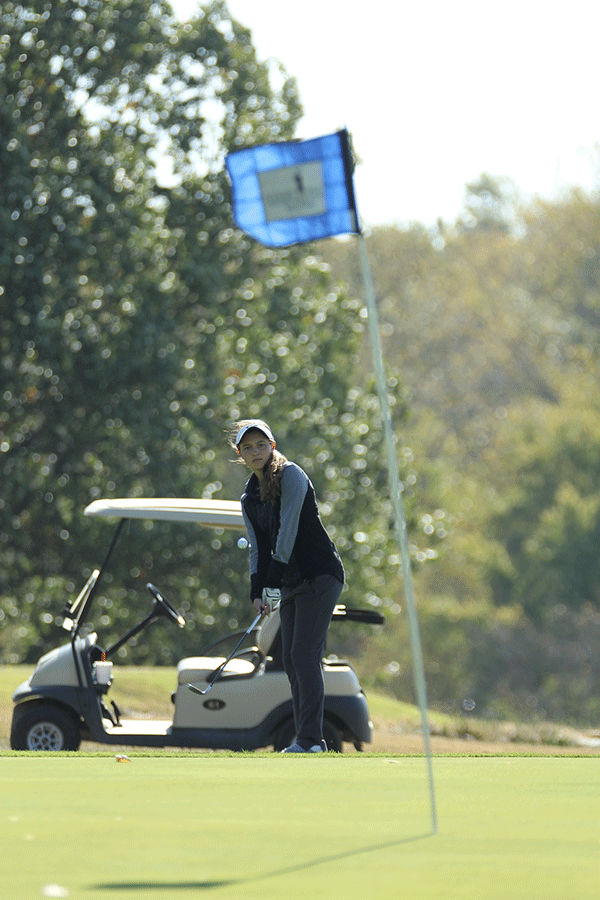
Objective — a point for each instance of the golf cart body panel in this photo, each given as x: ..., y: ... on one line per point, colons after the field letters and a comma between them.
x: 249, y: 707
x: 58, y: 667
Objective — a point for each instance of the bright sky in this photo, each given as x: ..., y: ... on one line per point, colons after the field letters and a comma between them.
x: 435, y: 93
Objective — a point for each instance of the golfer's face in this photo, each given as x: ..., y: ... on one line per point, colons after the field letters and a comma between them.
x: 255, y: 449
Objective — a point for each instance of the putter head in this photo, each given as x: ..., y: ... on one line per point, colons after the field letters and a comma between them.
x: 197, y: 690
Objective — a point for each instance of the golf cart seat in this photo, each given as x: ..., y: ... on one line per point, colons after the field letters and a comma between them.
x: 244, y: 665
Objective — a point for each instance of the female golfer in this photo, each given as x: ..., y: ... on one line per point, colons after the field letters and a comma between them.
x: 292, y: 559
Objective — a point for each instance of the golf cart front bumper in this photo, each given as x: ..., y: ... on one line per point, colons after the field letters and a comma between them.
x: 351, y: 715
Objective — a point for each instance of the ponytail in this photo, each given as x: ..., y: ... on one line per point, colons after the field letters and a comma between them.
x: 270, y: 486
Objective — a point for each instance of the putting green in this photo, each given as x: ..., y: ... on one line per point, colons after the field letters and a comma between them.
x: 256, y: 826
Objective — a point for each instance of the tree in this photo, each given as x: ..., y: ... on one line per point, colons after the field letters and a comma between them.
x: 550, y: 526
x: 137, y: 323
x: 93, y: 329
x: 495, y: 334
x: 491, y: 204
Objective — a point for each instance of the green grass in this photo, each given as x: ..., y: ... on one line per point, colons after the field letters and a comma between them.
x: 266, y: 826
x: 172, y: 825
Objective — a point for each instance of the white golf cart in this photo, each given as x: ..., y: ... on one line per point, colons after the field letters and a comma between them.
x: 65, y: 699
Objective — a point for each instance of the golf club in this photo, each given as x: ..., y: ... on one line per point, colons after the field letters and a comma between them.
x: 219, y: 669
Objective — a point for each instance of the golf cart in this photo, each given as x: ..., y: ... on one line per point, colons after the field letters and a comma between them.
x: 249, y: 705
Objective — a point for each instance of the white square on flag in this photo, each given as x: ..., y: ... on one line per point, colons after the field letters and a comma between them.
x: 293, y: 191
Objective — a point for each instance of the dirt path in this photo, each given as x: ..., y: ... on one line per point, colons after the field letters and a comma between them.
x: 387, y: 742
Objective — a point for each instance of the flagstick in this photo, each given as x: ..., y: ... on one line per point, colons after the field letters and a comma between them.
x: 398, y: 509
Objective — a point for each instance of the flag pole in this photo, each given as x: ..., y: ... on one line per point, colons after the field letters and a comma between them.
x: 399, y: 517
x: 282, y: 209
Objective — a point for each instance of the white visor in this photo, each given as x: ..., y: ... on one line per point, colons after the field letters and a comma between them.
x: 254, y: 423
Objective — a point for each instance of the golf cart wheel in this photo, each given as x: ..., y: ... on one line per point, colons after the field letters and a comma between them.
x: 44, y: 728
x: 287, y: 735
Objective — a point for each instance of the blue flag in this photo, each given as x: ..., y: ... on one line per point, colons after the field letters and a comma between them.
x: 294, y: 191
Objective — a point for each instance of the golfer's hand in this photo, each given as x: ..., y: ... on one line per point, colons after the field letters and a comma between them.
x: 271, y: 598
x: 259, y: 606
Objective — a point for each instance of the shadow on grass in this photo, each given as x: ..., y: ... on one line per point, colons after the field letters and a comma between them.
x: 288, y: 870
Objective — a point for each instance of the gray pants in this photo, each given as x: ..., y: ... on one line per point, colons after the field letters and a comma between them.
x: 305, y: 613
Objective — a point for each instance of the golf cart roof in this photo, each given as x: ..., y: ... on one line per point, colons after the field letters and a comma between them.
x: 218, y: 513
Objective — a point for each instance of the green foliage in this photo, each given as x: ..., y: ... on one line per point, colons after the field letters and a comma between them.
x: 137, y: 323
x: 493, y: 325
x: 489, y: 205
x: 550, y: 526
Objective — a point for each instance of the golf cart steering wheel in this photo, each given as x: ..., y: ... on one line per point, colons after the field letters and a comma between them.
x: 164, y: 607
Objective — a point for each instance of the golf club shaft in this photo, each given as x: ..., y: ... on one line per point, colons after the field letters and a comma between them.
x: 220, y: 669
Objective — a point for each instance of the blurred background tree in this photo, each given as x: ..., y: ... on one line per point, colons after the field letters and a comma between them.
x: 495, y: 333
x: 137, y: 323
